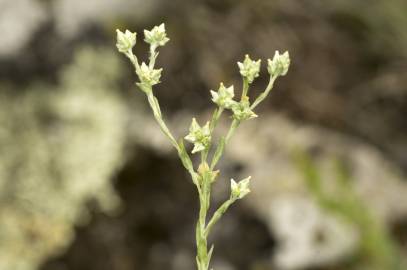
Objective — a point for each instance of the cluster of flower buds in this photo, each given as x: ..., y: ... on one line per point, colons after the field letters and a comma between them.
x: 199, y: 136
x: 147, y: 74
x: 157, y: 36
x: 125, y: 41
x: 241, y: 110
x: 249, y: 69
x: 279, y: 65
x: 224, y: 97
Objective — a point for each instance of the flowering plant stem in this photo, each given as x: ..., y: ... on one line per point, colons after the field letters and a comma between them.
x: 201, y: 137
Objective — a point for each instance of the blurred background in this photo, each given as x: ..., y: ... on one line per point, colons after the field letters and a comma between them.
x: 87, y: 181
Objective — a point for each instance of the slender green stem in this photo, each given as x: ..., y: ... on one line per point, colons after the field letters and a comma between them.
x: 133, y: 60
x: 245, y: 88
x: 157, y: 115
x: 218, y: 214
x: 152, y: 57
x: 186, y: 160
x: 263, y: 95
x: 155, y: 106
x: 213, y: 123
x: 215, y: 118
x: 203, y: 257
x: 204, y: 154
x: 233, y: 126
x: 220, y: 149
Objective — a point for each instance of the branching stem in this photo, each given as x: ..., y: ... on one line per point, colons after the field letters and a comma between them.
x: 205, y: 175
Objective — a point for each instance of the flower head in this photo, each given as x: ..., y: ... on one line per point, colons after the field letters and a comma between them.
x: 240, y: 189
x: 199, y: 136
x: 249, y: 69
x: 224, y: 96
x: 279, y: 65
x: 241, y: 110
x: 149, y: 76
x: 156, y: 36
x: 125, y: 41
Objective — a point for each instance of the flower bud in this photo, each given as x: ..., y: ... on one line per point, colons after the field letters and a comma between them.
x: 156, y: 36
x: 125, y: 41
x: 241, y: 110
x: 149, y: 76
x: 279, y: 65
x: 199, y: 136
x: 241, y: 189
x: 249, y: 69
x: 224, y: 97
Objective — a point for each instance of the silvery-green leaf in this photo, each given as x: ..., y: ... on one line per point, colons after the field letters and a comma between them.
x: 185, y: 159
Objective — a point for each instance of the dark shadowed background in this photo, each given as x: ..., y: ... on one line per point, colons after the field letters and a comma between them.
x: 88, y: 182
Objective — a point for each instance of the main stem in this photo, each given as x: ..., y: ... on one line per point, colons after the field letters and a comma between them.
x: 204, y: 178
x: 203, y: 257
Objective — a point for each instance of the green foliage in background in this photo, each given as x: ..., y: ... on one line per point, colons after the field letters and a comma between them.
x: 378, y: 24
x: 377, y: 250
x: 59, y: 149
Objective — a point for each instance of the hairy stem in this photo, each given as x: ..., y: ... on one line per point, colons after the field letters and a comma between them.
x: 214, y: 121
x: 219, y: 151
x: 152, y: 57
x: 133, y: 60
x: 263, y: 95
x: 218, y: 214
x: 201, y: 238
x: 157, y: 115
x: 245, y: 88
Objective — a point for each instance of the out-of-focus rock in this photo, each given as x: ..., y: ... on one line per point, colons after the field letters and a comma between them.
x: 308, y: 236
x: 60, y: 148
x: 19, y: 19
x: 72, y: 16
x: 271, y: 160
x: 279, y: 188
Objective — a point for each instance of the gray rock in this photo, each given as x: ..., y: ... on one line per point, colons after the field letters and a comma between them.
x: 19, y: 19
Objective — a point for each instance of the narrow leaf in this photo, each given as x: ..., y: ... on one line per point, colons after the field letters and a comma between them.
x: 210, y: 254
x: 218, y: 152
x: 183, y: 155
x: 157, y: 105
